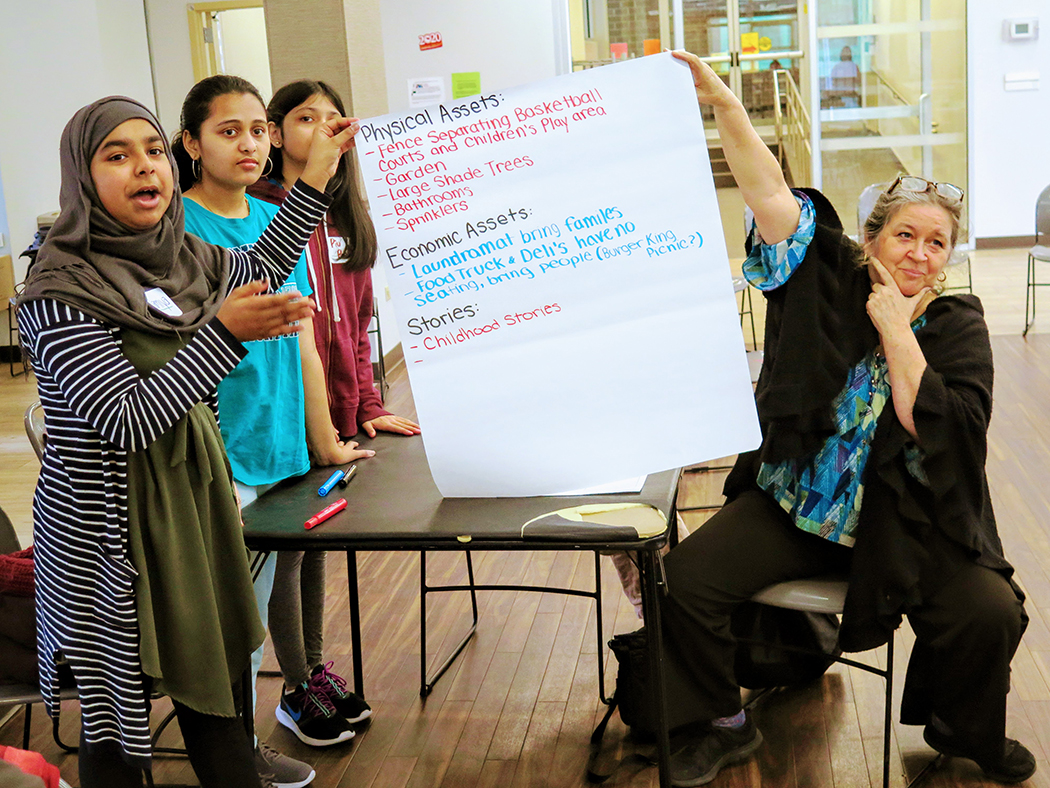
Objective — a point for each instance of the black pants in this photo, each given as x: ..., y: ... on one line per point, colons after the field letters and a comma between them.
x: 219, y: 750
x: 966, y: 632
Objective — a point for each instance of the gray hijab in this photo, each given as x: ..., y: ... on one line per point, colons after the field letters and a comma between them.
x: 92, y: 262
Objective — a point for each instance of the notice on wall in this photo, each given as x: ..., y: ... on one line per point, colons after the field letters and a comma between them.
x: 465, y: 83
x: 426, y: 91
x: 560, y: 281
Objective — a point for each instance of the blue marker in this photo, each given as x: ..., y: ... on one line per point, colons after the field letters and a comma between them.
x: 326, y: 488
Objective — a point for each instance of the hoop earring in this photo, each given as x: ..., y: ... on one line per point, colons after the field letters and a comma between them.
x: 269, y: 167
x: 195, y: 169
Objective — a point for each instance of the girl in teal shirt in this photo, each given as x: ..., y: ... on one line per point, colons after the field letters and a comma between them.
x: 268, y: 426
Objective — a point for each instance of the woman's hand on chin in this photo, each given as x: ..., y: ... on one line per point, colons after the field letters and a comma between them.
x: 889, y: 309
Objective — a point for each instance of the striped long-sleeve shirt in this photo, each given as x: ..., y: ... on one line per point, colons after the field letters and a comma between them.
x: 97, y: 408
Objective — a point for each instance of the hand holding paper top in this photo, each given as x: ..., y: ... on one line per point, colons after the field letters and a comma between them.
x: 757, y: 172
x: 710, y: 89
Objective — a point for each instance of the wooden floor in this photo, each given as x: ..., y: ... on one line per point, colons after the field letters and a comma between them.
x: 519, y: 705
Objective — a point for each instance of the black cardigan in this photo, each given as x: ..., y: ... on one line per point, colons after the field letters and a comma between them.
x: 909, y: 538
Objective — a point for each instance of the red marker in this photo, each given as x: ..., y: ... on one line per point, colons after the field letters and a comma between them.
x: 325, y: 513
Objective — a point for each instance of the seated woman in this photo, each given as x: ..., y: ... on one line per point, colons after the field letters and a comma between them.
x: 874, y: 400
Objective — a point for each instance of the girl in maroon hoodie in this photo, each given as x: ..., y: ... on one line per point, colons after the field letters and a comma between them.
x: 340, y: 255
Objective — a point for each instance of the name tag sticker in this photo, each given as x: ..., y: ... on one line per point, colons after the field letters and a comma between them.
x: 336, y: 248
x: 289, y: 287
x: 158, y: 299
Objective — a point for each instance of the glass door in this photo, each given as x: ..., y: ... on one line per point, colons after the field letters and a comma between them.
x: 890, y: 82
x: 743, y: 40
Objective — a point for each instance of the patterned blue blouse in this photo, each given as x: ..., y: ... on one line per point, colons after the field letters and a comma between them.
x: 823, y: 491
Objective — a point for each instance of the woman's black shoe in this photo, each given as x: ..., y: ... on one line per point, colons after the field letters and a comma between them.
x: 1016, y: 765
x: 700, y: 761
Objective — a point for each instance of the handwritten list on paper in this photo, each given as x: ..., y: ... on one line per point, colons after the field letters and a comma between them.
x: 561, y: 286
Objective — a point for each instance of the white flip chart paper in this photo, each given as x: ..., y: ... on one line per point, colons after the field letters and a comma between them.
x: 560, y: 281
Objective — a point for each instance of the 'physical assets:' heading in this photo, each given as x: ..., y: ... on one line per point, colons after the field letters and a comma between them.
x: 395, y: 128
x: 423, y: 118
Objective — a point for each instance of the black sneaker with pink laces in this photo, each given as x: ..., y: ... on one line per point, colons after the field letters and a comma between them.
x: 312, y: 717
x: 351, y: 706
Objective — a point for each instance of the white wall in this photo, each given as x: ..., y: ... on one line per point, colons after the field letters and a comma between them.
x: 55, y: 57
x: 510, y: 42
x: 1009, y: 152
x: 244, y: 47
x: 172, y: 62
x: 363, y: 21
x: 5, y: 229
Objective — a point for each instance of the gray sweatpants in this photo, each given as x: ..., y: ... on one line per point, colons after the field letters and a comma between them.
x: 297, y: 613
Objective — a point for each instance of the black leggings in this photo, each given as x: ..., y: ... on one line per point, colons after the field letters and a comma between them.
x: 219, y: 750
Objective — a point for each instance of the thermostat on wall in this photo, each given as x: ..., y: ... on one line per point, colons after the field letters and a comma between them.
x: 1021, y: 29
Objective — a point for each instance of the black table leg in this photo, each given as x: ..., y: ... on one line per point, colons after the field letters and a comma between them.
x: 355, y: 623
x: 653, y: 585
x: 598, y: 628
x: 426, y: 685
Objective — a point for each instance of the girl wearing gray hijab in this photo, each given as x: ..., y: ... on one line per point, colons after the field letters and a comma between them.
x: 129, y: 324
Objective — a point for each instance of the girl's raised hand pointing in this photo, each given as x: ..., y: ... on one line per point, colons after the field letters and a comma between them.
x: 331, y: 140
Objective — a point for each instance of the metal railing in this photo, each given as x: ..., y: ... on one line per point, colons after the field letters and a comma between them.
x: 792, y: 127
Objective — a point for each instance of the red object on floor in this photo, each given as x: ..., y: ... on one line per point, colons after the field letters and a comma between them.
x: 31, y: 763
x: 16, y: 573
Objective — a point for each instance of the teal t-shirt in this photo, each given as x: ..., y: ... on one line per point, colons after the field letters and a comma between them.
x: 262, y: 407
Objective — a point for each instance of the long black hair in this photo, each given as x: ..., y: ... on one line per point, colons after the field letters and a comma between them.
x: 348, y: 211
x: 196, y: 109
